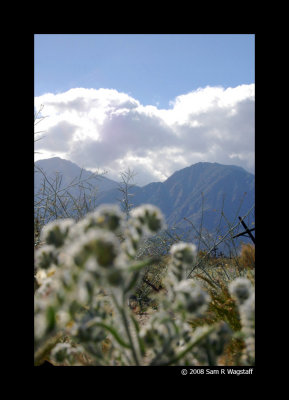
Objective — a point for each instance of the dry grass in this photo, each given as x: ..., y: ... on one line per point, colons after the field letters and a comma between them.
x: 247, y: 256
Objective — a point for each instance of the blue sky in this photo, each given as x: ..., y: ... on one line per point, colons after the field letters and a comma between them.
x: 154, y: 68
x: 154, y: 103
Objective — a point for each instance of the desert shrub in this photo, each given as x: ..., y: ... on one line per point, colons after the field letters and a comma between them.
x: 216, y: 277
x: 86, y: 272
x: 247, y: 256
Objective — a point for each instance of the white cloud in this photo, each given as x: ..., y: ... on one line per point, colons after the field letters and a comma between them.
x: 111, y: 130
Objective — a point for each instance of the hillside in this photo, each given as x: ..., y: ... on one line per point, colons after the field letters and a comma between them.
x: 69, y: 172
x: 222, y: 187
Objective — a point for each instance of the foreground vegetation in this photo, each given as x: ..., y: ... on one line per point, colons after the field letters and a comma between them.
x: 95, y: 277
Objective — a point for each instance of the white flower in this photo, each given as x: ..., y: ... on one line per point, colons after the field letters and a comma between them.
x: 48, y: 287
x: 153, y: 333
x: 241, y: 289
x: 91, y: 265
x: 191, y: 297
x: 40, y: 325
x: 55, y: 232
x: 102, y: 245
x: 133, y: 233
x: 78, y: 229
x: 183, y: 253
x: 247, y: 313
x: 62, y: 317
x: 107, y: 216
x: 150, y: 217
x: 45, y: 256
x: 63, y: 351
x: 149, y: 335
x: 40, y: 276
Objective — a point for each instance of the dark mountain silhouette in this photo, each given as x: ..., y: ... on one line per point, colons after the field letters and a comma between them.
x: 198, y: 193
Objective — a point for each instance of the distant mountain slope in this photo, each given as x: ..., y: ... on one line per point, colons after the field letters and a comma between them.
x: 68, y: 172
x: 223, y: 187
x: 226, y: 188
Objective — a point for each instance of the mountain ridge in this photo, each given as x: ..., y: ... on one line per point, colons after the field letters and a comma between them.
x: 194, y: 192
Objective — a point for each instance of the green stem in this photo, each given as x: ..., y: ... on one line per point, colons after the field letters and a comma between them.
x: 126, y: 325
x: 189, y: 348
x: 211, y: 358
x: 122, y: 313
x: 166, y: 347
x: 109, y: 329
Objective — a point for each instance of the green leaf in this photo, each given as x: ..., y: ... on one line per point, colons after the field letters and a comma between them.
x: 140, y: 341
x: 51, y: 318
x: 114, y: 333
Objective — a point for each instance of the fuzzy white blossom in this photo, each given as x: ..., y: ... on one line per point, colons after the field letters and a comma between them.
x: 101, y: 244
x: 55, y: 232
x: 106, y: 216
x: 62, y: 317
x: 183, y: 253
x: 40, y: 276
x: 40, y: 325
x: 48, y: 287
x: 150, y: 217
x: 241, y: 289
x: 77, y: 230
x: 45, y: 257
x: 192, y: 297
x: 65, y: 351
x: 247, y: 314
x: 149, y: 335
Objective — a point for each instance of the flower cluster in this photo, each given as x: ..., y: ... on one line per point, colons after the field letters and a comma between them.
x: 80, y: 260
x: 145, y: 220
x: 211, y: 343
x: 191, y: 298
x: 242, y: 290
x: 55, y: 232
x: 149, y: 217
x: 86, y: 272
x: 106, y: 216
x: 183, y: 255
x: 65, y: 352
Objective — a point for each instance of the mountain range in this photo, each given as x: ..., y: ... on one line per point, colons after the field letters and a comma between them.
x: 198, y: 193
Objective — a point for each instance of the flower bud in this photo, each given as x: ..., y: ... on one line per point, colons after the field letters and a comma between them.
x: 55, y: 232
x: 241, y: 289
x: 150, y: 217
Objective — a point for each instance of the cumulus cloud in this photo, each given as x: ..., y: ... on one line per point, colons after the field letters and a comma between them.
x: 111, y: 130
x: 60, y: 142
